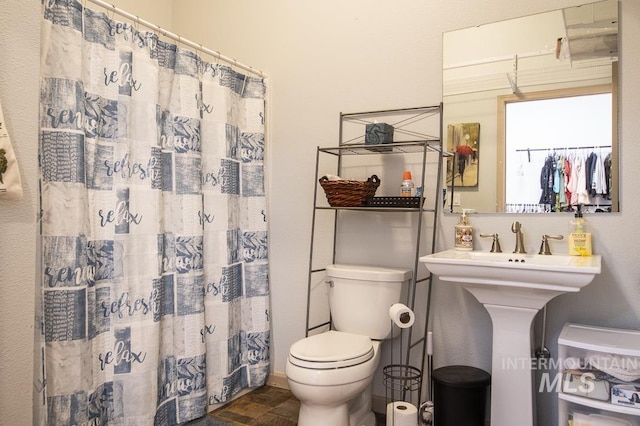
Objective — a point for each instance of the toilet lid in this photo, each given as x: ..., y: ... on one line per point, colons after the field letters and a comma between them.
x: 332, y: 349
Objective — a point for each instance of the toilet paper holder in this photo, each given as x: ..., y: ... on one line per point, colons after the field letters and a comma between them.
x: 402, y: 382
x: 405, y: 317
x: 401, y: 315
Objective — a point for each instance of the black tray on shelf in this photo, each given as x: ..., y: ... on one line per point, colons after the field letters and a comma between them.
x: 394, y: 202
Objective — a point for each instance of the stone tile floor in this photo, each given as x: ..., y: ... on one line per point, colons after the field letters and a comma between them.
x: 265, y: 406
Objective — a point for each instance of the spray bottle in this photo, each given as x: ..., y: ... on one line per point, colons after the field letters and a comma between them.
x: 407, y: 187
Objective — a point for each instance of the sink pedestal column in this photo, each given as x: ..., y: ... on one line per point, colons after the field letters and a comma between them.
x: 511, y: 375
x: 513, y: 288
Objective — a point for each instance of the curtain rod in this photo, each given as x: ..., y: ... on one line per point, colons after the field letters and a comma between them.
x: 177, y: 37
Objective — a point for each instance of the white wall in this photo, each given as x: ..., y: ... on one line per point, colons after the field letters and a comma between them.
x: 19, y: 73
x: 323, y: 58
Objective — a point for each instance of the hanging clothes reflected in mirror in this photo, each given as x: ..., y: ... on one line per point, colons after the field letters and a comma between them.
x: 555, y: 157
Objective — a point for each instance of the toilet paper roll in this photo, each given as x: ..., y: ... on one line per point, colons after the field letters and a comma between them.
x: 400, y: 413
x: 401, y: 315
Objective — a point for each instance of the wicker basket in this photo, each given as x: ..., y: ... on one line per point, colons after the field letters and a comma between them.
x: 349, y: 193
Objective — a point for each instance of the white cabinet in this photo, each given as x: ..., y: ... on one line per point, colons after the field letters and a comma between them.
x: 616, y: 353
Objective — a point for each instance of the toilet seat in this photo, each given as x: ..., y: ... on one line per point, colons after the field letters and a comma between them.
x: 331, y: 350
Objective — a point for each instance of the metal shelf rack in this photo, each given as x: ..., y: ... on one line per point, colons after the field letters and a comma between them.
x: 411, y: 142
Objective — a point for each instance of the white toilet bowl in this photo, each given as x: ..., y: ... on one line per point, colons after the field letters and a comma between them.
x: 331, y: 374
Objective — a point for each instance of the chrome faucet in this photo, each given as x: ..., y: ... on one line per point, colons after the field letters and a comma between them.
x: 516, y: 228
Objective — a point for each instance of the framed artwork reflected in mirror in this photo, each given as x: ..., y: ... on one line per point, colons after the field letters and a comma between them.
x: 463, y: 140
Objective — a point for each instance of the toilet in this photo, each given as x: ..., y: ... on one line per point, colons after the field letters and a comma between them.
x: 331, y: 373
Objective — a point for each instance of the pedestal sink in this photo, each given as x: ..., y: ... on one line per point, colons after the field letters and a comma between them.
x: 513, y: 288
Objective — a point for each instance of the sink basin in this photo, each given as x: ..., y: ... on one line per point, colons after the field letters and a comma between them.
x: 513, y: 288
x: 524, y: 280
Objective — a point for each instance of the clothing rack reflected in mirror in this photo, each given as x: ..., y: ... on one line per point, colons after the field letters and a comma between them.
x: 560, y: 178
x: 527, y: 208
x: 562, y: 149
x: 547, y: 208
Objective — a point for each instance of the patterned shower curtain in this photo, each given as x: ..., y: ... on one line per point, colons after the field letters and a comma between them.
x: 154, y: 296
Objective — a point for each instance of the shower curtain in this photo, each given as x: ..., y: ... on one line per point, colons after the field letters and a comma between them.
x: 154, y: 295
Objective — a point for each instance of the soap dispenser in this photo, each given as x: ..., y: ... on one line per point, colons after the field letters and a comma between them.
x: 464, y: 233
x: 579, y: 235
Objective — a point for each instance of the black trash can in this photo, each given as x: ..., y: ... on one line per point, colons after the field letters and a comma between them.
x: 460, y: 395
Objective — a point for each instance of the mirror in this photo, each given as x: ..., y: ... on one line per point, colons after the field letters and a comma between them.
x: 491, y: 71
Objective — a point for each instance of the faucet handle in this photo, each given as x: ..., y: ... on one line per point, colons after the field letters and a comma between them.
x: 544, y: 246
x: 495, y: 246
x: 516, y: 227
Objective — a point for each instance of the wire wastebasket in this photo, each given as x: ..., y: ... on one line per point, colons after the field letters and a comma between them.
x: 402, y: 386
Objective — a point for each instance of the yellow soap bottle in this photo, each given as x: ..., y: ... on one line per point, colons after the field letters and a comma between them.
x: 580, y: 236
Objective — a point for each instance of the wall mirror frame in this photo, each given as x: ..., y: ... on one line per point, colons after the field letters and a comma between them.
x: 487, y: 66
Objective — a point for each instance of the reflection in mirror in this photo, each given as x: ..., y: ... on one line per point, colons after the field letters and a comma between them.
x: 556, y: 171
x: 463, y: 139
x: 489, y: 66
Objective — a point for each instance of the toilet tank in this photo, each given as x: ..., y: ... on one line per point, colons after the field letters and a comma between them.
x: 360, y: 298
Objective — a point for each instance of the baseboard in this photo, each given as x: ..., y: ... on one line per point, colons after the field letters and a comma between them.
x: 278, y: 380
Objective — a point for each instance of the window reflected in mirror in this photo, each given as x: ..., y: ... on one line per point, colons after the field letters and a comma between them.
x: 557, y: 151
